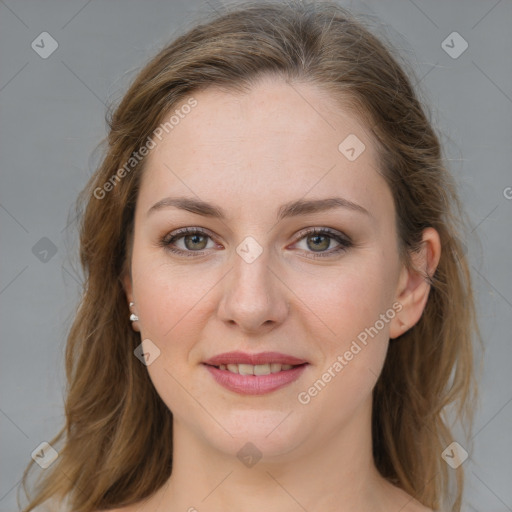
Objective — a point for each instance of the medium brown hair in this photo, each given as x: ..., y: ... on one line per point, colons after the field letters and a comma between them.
x: 116, y: 448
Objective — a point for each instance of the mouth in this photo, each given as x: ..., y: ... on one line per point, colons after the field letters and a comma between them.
x: 255, y: 374
x: 256, y: 369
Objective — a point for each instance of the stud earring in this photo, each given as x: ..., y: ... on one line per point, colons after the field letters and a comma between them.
x: 133, y: 316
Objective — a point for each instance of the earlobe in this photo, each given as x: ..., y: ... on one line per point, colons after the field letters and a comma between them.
x: 414, y: 283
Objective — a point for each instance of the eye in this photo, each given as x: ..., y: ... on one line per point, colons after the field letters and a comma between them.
x: 194, y: 240
x: 318, y: 240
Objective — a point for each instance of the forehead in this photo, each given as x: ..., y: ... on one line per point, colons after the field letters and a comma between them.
x: 276, y: 142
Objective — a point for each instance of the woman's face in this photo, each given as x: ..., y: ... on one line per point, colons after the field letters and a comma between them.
x: 259, y: 280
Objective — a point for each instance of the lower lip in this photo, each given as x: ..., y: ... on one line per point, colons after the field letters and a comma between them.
x: 255, y: 384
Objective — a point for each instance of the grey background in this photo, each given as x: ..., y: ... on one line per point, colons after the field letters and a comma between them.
x: 52, y: 113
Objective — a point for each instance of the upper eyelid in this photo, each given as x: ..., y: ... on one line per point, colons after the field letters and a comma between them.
x: 313, y: 229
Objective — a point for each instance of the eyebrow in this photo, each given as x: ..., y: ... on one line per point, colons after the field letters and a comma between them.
x: 291, y: 209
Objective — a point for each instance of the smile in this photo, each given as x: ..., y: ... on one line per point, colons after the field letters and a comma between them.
x: 258, y: 369
x: 255, y: 374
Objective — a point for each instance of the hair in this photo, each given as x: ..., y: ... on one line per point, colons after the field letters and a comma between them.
x: 117, y: 439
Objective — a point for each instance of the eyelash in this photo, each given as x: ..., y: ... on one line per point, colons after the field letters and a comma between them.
x: 345, y: 242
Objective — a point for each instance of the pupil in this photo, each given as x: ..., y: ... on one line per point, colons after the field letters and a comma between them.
x: 194, y: 239
x: 317, y: 237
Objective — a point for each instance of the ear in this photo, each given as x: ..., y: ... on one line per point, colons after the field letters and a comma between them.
x: 414, y: 283
x: 126, y: 280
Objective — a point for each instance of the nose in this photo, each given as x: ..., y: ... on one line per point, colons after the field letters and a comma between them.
x: 254, y: 298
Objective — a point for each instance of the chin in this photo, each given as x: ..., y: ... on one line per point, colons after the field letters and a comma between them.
x: 263, y: 432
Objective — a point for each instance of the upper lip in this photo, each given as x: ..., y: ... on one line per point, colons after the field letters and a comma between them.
x: 254, y: 359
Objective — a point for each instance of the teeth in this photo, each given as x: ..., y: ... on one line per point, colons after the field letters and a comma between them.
x: 258, y: 369
x: 261, y: 369
x: 245, y: 369
x: 275, y: 367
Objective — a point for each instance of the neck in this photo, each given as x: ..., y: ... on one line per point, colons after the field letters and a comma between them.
x: 337, y: 474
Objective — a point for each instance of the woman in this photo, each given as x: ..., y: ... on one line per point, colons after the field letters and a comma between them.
x: 277, y: 309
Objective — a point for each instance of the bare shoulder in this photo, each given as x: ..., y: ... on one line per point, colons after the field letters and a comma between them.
x: 415, y: 506
x: 147, y: 504
x: 406, y: 503
x: 136, y: 507
x: 54, y: 506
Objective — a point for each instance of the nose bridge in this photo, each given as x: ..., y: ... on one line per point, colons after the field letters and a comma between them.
x: 252, y: 295
x: 252, y: 276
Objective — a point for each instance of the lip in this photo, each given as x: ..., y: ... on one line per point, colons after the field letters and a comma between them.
x: 254, y: 359
x: 255, y: 384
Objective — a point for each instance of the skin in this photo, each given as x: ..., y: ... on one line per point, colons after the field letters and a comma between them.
x: 250, y: 153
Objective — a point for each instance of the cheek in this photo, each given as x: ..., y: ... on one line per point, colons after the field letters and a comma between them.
x: 170, y: 302
x: 172, y: 310
x: 356, y: 309
x: 347, y: 301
